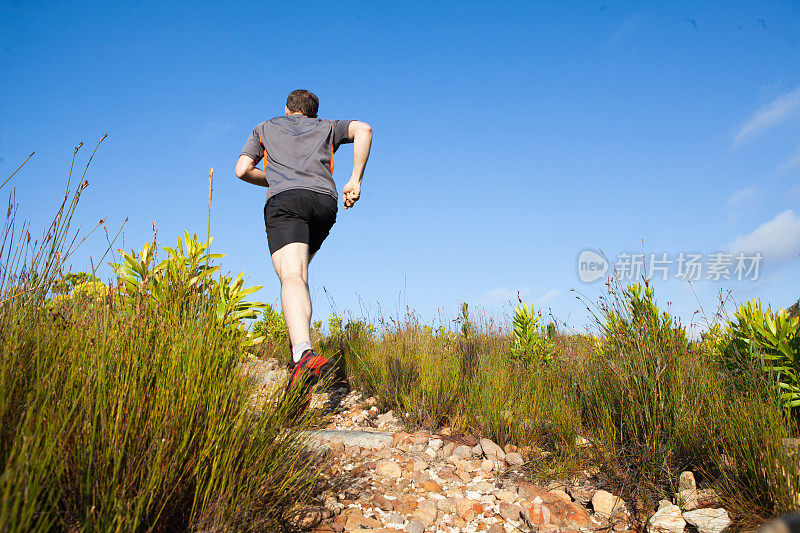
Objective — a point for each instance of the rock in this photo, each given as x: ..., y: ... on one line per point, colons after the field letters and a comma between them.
x: 488, y: 465
x: 496, y: 528
x: 483, y: 486
x: 356, y: 520
x: 435, y: 444
x: 708, y: 520
x: 418, y: 465
x: 415, y: 526
x: 363, y: 439
x: 538, y: 514
x: 387, y: 418
x: 566, y: 515
x: 561, y: 494
x: 510, y: 512
x: 426, y: 512
x: 305, y: 517
x: 381, y: 502
x: 686, y: 481
x: 492, y: 450
x: 387, y: 468
x: 514, y: 459
x: 446, y: 505
x: 606, y: 505
x: 687, y: 499
x: 582, y: 494
x: 506, y: 496
x: 688, y: 495
x: 667, y: 519
x: 468, y: 509
x: 431, y: 486
x: 548, y: 528
x: 395, y: 519
x: 462, y: 451
x: 447, y: 451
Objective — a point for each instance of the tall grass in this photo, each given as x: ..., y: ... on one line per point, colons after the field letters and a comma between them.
x: 117, y: 420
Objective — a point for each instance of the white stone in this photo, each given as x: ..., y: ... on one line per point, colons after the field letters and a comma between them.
x: 492, y: 450
x: 435, y: 444
x: 686, y: 481
x: 514, y: 459
x: 667, y: 519
x: 708, y: 520
x: 606, y: 504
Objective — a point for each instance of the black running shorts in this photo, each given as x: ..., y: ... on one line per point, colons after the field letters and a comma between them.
x: 299, y: 215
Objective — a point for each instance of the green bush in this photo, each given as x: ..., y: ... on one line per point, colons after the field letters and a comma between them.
x: 272, y: 326
x: 772, y: 339
x: 531, y: 340
x: 182, y: 276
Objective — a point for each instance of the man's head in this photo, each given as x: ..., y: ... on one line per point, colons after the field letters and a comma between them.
x: 304, y: 102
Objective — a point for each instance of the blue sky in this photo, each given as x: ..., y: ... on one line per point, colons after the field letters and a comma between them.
x: 508, y: 138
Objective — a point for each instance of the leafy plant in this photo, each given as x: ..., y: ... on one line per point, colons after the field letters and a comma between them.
x: 272, y: 326
x: 774, y: 338
x: 71, y: 280
x: 467, y: 326
x: 531, y: 339
x: 637, y: 311
x: 335, y: 325
x: 183, y: 274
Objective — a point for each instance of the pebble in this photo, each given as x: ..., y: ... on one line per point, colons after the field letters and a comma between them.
x: 506, y: 496
x: 606, y: 505
x: 388, y: 469
x: 514, y: 459
x: 492, y: 450
x: 415, y: 526
x: 426, y: 512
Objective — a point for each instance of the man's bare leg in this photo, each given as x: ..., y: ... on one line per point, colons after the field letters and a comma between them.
x: 291, y: 265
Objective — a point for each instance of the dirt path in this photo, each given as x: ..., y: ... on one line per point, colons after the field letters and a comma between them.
x: 380, y: 476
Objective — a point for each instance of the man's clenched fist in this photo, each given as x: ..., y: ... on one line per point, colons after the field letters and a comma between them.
x: 351, y: 193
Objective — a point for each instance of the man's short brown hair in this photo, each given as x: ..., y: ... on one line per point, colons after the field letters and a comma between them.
x: 303, y: 101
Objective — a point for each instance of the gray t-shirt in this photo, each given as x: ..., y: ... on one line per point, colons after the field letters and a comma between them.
x: 298, y: 152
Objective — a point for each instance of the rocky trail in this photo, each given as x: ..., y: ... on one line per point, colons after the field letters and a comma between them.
x: 379, y: 476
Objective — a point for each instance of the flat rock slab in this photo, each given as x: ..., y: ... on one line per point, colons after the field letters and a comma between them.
x: 364, y: 439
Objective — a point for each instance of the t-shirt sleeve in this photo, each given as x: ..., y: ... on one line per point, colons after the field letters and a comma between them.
x: 341, y: 132
x: 252, y: 148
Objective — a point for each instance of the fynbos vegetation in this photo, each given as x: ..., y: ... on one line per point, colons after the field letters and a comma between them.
x: 122, y: 406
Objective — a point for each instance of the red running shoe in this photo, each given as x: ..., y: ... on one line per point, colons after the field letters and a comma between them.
x: 310, y: 370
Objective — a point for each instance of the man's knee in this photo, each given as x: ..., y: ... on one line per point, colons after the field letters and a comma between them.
x: 292, y: 276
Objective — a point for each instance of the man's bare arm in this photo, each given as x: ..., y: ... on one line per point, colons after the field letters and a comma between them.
x: 246, y: 171
x: 361, y: 134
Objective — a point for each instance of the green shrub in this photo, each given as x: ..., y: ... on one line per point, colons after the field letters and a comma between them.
x: 272, y: 326
x: 531, y: 340
x: 773, y: 340
x: 182, y: 276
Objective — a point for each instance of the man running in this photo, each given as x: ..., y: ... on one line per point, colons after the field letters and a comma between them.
x: 301, y: 206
